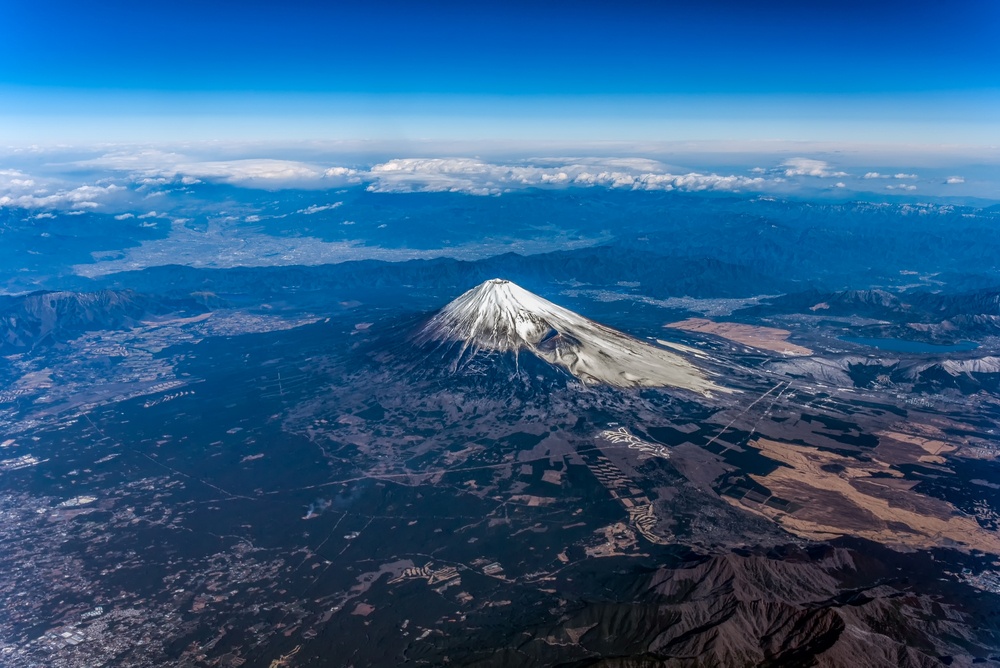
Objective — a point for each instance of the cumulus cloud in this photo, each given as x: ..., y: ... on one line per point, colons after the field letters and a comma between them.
x: 156, y: 174
x: 14, y: 178
x: 345, y: 172
x: 901, y: 175
x: 953, y: 180
x: 22, y: 193
x: 809, y: 167
x: 901, y: 186
x: 154, y: 167
x: 246, y: 172
x: 445, y: 175
x: 14, y: 185
x: 468, y: 175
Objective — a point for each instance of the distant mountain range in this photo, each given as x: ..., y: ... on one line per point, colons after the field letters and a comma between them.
x: 125, y: 299
x: 658, y: 276
x: 919, y: 314
x: 45, y: 318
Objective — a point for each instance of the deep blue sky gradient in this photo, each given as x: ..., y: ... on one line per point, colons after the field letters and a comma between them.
x: 773, y: 70
x: 508, y: 48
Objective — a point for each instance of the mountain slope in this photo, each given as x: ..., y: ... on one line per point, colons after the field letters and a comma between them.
x: 500, y: 317
x: 45, y: 318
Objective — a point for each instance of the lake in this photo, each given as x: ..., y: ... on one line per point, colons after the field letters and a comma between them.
x: 904, y: 346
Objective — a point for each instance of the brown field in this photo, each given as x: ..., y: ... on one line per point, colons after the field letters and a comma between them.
x: 925, y: 441
x: 929, y: 450
x: 840, y: 496
x: 765, y: 338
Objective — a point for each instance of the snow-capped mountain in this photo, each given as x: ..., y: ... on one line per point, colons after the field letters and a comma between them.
x: 500, y: 317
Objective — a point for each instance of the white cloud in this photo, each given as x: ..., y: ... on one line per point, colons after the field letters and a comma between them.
x: 317, y: 208
x: 335, y: 172
x: 697, y: 182
x: 15, y: 178
x: 953, y: 180
x: 444, y: 175
x: 124, y: 216
x: 468, y: 175
x: 901, y: 186
x: 901, y: 175
x: 159, y: 174
x: 16, y: 191
x: 247, y: 172
x: 809, y: 167
x: 152, y: 167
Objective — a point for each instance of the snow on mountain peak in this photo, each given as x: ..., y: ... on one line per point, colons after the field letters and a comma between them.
x: 497, y: 315
x: 501, y: 316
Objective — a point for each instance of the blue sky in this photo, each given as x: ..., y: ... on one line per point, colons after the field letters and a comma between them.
x: 908, y: 72
x: 507, y: 48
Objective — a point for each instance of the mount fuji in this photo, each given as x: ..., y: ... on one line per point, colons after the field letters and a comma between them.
x: 498, y: 317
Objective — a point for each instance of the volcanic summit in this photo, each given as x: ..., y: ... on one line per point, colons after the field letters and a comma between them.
x: 499, y: 316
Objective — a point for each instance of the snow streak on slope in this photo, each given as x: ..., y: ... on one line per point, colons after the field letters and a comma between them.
x: 499, y: 316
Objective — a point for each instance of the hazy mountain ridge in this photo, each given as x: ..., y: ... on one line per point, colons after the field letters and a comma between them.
x: 923, y: 303
x: 770, y: 240
x: 44, y: 318
x: 657, y: 275
x: 923, y: 315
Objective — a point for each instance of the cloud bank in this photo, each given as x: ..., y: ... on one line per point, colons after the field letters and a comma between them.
x: 435, y: 174
x: 476, y: 177
x: 20, y: 190
x: 134, y: 180
x: 810, y: 167
x: 877, y: 175
x: 151, y: 166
